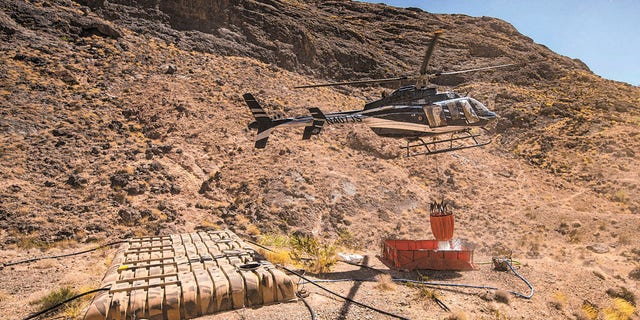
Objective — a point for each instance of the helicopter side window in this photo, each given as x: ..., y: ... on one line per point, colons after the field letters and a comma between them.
x: 468, y: 111
x: 435, y: 115
x: 455, y: 111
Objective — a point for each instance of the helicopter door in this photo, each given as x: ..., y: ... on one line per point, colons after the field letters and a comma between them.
x: 435, y: 115
x: 469, y: 113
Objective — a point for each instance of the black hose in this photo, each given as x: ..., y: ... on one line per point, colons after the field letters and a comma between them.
x: 56, y: 306
x: 442, y: 284
x: 343, y: 297
x: 313, y: 313
x: 62, y: 255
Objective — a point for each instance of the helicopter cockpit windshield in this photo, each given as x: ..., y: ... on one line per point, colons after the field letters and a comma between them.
x: 482, y: 111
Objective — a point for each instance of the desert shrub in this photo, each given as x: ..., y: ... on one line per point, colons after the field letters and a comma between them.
x: 279, y: 245
x: 347, y: 239
x: 274, y: 240
x: 316, y: 256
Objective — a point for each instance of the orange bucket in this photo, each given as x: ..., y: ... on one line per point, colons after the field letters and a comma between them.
x: 442, y: 227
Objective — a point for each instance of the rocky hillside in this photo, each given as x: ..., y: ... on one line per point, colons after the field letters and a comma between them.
x: 125, y: 118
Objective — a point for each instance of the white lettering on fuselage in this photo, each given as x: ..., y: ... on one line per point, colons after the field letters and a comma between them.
x: 344, y: 119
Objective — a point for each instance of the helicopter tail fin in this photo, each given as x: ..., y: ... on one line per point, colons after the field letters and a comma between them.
x: 263, y: 123
x: 316, y: 126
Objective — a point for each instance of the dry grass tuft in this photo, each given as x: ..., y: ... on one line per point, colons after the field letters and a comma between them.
x: 457, y: 315
x: 622, y: 293
x: 208, y: 225
x: 385, y: 282
x: 55, y: 297
x: 588, y: 311
x: 620, y: 309
x: 502, y: 296
x: 278, y: 257
x: 558, y: 300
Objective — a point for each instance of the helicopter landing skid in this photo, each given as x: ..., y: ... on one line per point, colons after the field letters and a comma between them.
x: 457, y: 141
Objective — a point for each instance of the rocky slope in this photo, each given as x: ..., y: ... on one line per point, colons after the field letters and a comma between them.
x: 125, y: 118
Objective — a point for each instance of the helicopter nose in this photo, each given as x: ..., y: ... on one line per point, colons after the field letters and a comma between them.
x: 489, y: 115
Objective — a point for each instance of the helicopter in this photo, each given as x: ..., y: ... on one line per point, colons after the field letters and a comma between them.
x: 412, y: 112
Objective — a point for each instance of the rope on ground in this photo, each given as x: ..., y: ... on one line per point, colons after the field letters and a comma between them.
x: 313, y: 313
x: 343, y: 297
x: 8, y: 264
x: 56, y: 306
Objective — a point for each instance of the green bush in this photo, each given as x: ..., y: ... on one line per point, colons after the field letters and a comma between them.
x: 317, y: 257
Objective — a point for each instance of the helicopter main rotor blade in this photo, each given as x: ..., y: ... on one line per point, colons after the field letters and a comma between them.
x: 427, y: 55
x: 351, y: 82
x: 475, y: 69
